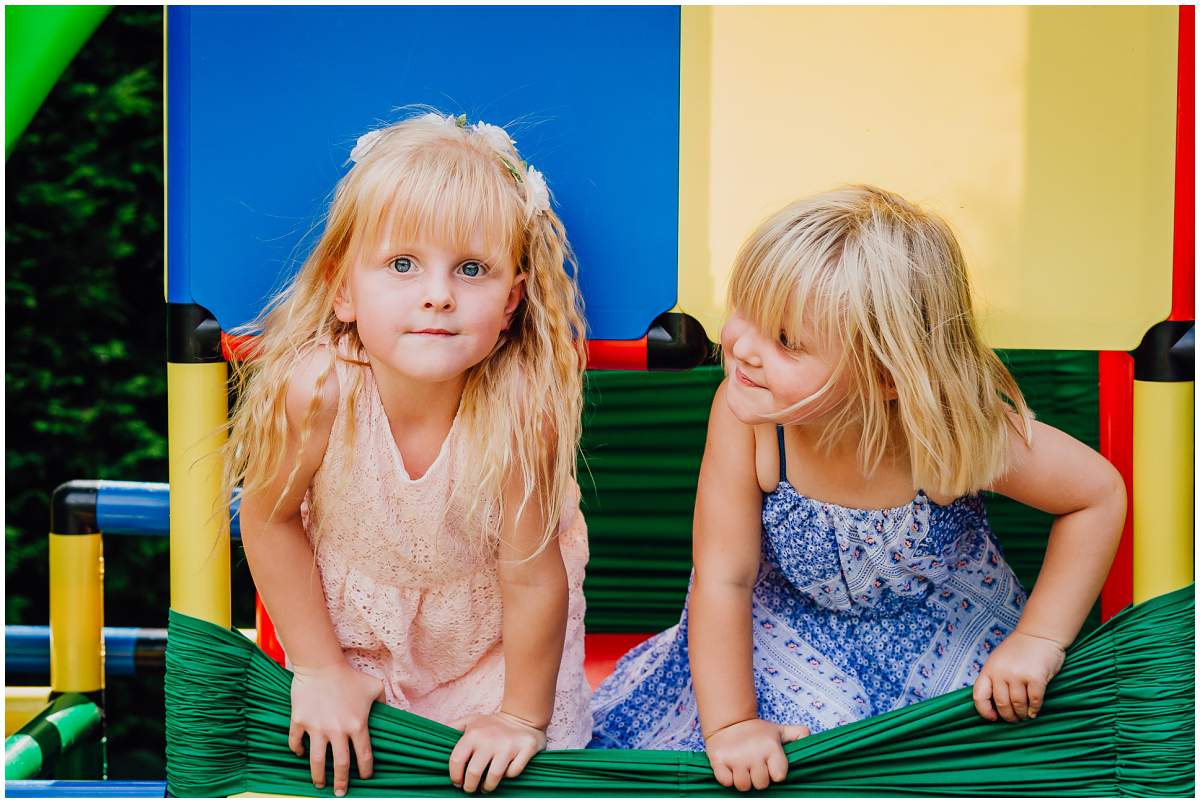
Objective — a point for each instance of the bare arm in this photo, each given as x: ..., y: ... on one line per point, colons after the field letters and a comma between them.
x: 743, y: 750
x: 277, y: 549
x: 330, y: 700
x: 535, y: 613
x: 535, y: 599
x: 726, y: 549
x: 1059, y: 475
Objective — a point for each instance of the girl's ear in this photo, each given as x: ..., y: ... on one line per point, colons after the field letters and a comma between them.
x: 515, y: 294
x: 343, y: 305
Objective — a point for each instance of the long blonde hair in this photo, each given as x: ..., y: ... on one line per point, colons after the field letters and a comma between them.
x: 886, y: 282
x: 520, y: 410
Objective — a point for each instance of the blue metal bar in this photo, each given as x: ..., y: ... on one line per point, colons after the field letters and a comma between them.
x: 85, y: 788
x: 140, y: 508
x: 27, y: 649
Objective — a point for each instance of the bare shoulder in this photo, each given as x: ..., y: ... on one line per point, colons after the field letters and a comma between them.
x: 730, y: 443
x: 313, y: 378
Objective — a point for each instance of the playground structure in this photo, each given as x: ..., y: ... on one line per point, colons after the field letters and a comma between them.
x: 721, y: 138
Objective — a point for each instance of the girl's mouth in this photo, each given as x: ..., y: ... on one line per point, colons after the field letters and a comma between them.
x: 439, y: 332
x: 745, y: 380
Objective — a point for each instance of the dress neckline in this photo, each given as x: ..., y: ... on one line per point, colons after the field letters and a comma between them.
x: 920, y: 496
x: 398, y: 457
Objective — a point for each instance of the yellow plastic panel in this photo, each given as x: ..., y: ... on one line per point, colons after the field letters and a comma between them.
x: 1045, y: 135
x: 21, y: 704
x: 1163, y: 487
x: 197, y: 410
x: 76, y: 612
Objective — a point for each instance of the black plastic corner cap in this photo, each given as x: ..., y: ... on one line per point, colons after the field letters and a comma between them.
x: 1167, y: 353
x: 73, y: 508
x: 193, y: 335
x: 676, y: 342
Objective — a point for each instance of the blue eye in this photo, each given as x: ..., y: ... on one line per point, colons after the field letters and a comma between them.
x: 472, y: 269
x: 402, y: 264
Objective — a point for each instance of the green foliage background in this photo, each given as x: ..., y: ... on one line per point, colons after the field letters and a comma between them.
x: 85, y: 379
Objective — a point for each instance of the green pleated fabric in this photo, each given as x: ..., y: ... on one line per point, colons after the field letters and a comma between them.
x: 1119, y: 720
x: 642, y: 443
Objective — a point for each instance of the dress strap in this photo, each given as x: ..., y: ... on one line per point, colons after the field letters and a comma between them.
x: 782, y: 454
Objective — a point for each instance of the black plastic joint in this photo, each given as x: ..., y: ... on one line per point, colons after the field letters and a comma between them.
x: 1166, y: 353
x: 73, y: 508
x: 193, y: 335
x: 676, y: 342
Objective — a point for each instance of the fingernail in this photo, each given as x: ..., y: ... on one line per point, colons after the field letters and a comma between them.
x: 339, y: 792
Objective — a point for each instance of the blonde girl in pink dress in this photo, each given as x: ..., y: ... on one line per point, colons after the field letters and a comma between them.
x: 405, y: 439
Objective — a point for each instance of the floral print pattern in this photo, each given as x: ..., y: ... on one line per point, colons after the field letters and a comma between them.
x: 855, y: 613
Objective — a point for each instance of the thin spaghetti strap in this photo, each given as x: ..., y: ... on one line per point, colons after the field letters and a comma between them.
x: 782, y: 454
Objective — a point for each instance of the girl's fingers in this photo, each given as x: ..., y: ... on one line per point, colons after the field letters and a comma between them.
x: 497, y: 770
x: 777, y: 766
x: 362, y: 753
x: 1017, y: 697
x: 1037, y: 694
x: 296, y: 738
x: 760, y: 777
x: 518, y: 764
x: 316, y: 759
x: 476, y: 767
x: 1003, y: 704
x: 341, y: 765
x: 982, y: 695
x: 741, y: 779
x: 458, y: 760
x: 723, y: 774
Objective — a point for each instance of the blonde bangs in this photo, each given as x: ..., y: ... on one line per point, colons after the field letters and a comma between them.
x: 446, y: 192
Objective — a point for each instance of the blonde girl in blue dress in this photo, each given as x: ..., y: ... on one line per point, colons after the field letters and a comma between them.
x: 844, y: 566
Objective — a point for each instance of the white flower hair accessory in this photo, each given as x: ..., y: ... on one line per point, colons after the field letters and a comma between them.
x: 537, y: 194
x: 364, y: 145
x: 495, y: 136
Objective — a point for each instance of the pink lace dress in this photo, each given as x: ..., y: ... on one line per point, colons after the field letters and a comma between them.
x: 412, y: 602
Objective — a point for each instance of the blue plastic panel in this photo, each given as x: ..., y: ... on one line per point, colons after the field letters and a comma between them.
x: 265, y: 104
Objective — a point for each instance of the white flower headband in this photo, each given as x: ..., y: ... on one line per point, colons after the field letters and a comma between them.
x: 537, y: 194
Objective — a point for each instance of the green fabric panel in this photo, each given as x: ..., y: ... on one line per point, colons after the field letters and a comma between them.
x: 1118, y: 720
x: 642, y: 443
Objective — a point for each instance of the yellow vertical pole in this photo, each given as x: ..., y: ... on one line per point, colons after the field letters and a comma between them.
x: 76, y: 590
x: 197, y: 410
x: 1163, y: 489
x: 77, y: 613
x: 1163, y: 475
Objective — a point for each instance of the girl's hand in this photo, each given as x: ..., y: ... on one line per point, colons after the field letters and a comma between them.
x: 499, y: 743
x: 750, y: 753
x: 1016, y: 675
x: 331, y: 704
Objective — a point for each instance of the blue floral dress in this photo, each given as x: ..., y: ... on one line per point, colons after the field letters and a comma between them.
x: 856, y: 613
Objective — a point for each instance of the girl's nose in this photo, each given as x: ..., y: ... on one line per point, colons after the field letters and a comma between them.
x: 744, y: 351
x: 438, y: 296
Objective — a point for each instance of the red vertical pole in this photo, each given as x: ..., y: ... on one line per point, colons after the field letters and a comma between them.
x: 1183, y: 295
x: 1116, y: 444
x: 1116, y: 367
